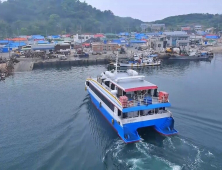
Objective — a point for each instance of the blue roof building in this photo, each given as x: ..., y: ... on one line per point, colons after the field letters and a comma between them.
x: 124, y: 34
x: 137, y: 41
x: 202, y: 33
x: 212, y: 37
x: 141, y: 36
x: 12, y: 46
x: 119, y: 41
x: 4, y: 42
x: 42, y: 42
x: 37, y: 37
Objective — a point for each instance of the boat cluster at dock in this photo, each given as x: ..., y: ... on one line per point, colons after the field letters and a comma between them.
x: 129, y: 102
x: 150, y: 58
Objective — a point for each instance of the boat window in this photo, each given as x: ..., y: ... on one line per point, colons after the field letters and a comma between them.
x: 112, y: 86
x: 87, y: 83
x: 125, y: 115
x: 155, y: 93
x: 119, y: 112
x: 102, y: 97
x: 133, y: 114
x: 156, y: 110
x: 120, y: 92
x: 149, y: 91
x: 107, y: 83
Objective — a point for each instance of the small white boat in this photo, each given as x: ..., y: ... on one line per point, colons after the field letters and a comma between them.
x: 2, y: 76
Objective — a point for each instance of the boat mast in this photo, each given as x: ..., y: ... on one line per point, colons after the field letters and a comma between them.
x: 116, y: 62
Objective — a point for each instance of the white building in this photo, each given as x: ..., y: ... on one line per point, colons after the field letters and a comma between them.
x: 198, y: 28
x: 82, y: 38
x: 210, y: 30
x: 177, y: 39
x: 157, y: 43
x: 196, y: 39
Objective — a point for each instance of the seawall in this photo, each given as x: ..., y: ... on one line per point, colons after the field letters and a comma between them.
x: 60, y: 63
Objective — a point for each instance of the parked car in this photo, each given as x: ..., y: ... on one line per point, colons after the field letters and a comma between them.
x: 83, y: 55
x: 96, y: 53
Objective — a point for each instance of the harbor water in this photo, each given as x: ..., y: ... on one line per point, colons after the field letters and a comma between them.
x: 47, y: 121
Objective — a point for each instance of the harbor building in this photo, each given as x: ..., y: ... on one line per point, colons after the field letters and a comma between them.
x: 80, y: 38
x: 152, y: 27
x: 198, y: 28
x: 210, y: 30
x: 157, y: 43
x: 177, y: 39
x: 100, y: 47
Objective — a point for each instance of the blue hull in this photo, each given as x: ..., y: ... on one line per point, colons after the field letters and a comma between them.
x: 128, y: 133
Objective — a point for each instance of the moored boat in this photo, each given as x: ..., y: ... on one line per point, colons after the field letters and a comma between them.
x: 137, y: 61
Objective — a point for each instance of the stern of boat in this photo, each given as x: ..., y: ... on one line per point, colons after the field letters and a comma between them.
x: 167, y: 127
x: 129, y: 135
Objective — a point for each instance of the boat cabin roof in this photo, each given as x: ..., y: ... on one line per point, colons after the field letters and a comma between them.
x: 131, y: 83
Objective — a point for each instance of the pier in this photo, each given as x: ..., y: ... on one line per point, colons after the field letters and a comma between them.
x: 77, y: 62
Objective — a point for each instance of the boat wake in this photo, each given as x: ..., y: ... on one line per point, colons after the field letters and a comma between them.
x: 176, y: 153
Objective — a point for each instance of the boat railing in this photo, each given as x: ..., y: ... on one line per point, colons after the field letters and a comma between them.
x: 139, y: 115
x: 141, y: 101
x: 121, y: 71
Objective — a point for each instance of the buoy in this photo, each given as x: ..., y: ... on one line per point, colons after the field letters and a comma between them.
x: 112, y: 121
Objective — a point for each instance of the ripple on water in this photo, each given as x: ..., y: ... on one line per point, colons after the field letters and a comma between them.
x: 178, y: 154
x: 54, y: 125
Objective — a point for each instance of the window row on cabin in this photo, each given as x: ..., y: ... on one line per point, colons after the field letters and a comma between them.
x: 142, y: 113
x: 101, y: 96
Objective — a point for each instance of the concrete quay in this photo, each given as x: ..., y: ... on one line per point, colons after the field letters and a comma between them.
x: 28, y: 64
x: 59, y: 63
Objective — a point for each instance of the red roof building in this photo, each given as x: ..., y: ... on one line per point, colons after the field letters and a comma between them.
x: 99, y: 36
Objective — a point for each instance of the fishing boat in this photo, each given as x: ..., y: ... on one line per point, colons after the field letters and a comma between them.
x: 129, y: 102
x: 194, y: 55
x: 138, y: 61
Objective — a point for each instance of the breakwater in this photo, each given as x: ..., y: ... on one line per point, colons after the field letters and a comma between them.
x: 60, y: 63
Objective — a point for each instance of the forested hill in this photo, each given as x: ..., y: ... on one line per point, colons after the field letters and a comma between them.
x: 59, y: 16
x: 206, y: 20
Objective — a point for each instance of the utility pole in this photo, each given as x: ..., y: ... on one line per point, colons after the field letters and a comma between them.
x: 18, y: 35
x: 80, y: 29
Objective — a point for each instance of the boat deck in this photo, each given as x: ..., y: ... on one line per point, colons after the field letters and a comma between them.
x: 131, y: 83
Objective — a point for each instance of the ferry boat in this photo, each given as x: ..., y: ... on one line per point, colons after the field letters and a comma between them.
x: 129, y: 102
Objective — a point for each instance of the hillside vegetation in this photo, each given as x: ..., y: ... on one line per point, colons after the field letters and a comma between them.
x: 206, y: 20
x: 59, y: 16
x: 47, y: 17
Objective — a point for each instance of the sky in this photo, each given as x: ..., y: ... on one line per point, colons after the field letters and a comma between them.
x: 151, y: 10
